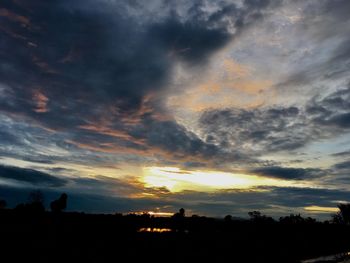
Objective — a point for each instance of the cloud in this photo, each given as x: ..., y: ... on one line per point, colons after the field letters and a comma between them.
x: 289, y: 173
x: 31, y: 176
x: 271, y: 129
x: 93, y: 72
x: 342, y: 166
x: 278, y: 128
x: 329, y: 36
x: 341, y: 154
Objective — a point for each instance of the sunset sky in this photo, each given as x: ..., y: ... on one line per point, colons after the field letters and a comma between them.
x: 220, y: 107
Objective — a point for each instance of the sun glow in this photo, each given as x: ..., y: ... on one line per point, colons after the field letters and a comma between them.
x: 176, y: 180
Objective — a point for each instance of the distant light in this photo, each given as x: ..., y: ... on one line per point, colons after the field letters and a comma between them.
x: 154, y: 230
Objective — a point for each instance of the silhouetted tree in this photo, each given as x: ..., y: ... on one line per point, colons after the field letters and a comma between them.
x: 146, y: 215
x: 228, y: 218
x: 34, y: 205
x: 182, y: 212
x: 35, y: 202
x: 337, y: 219
x: 343, y: 216
x: 310, y: 220
x: 292, y: 219
x: 256, y: 216
x: 179, y: 220
x: 59, y: 204
x: 179, y: 214
x: 3, y: 204
x: 36, y: 196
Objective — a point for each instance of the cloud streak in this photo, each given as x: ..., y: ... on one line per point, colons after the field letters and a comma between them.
x: 31, y: 176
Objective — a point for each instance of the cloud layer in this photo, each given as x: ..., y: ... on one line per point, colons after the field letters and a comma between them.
x: 85, y: 88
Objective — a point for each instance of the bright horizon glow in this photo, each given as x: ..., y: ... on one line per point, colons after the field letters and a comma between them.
x: 324, y: 209
x: 177, y: 180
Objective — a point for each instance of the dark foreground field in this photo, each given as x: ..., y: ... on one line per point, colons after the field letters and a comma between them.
x: 77, y: 237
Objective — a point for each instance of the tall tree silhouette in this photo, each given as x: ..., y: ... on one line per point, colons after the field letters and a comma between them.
x: 343, y: 216
x: 59, y: 204
x: 179, y: 220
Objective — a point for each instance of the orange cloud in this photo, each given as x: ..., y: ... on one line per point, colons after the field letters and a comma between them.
x: 41, y: 101
x: 227, y: 84
x: 111, y: 132
x: 235, y: 69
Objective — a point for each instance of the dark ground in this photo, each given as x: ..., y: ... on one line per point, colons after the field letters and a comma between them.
x: 77, y: 237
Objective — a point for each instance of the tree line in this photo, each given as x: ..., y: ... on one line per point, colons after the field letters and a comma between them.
x: 35, y: 203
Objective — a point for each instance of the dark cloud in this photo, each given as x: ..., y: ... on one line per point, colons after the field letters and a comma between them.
x: 31, y: 176
x: 91, y: 69
x: 341, y: 154
x: 338, y: 9
x: 341, y: 120
x: 177, y: 139
x: 289, y: 173
x: 278, y: 128
x: 189, y: 41
x: 259, y: 129
x: 8, y: 138
x: 342, y: 166
x: 106, y: 185
x: 332, y: 110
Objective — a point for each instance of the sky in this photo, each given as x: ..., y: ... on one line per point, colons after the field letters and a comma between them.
x: 220, y: 107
